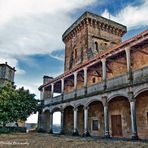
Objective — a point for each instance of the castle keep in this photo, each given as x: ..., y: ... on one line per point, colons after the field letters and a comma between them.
x: 104, y: 87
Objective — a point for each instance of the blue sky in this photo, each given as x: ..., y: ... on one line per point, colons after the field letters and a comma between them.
x: 31, y: 32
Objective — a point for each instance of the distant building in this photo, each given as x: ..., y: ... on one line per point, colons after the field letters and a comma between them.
x: 6, y: 74
x: 104, y: 88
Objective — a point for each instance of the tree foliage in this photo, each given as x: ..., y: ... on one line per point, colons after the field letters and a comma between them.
x: 16, y: 104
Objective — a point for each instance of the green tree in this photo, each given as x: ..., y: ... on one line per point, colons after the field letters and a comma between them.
x: 16, y: 104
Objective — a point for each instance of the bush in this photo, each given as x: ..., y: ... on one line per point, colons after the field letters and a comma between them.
x: 5, y: 130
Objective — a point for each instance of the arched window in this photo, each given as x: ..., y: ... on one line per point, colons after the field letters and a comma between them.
x: 96, y: 46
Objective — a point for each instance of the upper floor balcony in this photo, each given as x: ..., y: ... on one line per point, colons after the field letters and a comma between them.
x: 139, y: 76
x: 121, y: 66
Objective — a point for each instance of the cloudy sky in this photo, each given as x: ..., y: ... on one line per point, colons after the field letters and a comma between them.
x: 31, y: 32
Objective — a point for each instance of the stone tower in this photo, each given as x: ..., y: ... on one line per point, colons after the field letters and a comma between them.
x: 6, y: 74
x: 88, y: 36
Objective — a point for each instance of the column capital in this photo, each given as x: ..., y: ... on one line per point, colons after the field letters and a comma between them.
x: 103, y: 60
x: 131, y: 96
x: 127, y: 48
x: 85, y: 68
x: 75, y: 109
x: 86, y: 107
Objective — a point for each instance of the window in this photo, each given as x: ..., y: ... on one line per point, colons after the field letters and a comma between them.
x: 95, y: 125
x: 96, y: 46
x: 94, y: 80
x: 75, y: 53
x: 147, y: 118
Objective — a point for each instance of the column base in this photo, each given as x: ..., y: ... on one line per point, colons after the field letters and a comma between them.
x: 76, y: 133
x: 135, y: 137
x: 106, y: 136
x: 51, y: 132
x: 86, y: 134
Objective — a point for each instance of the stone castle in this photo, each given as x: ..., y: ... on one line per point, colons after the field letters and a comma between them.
x: 104, y: 87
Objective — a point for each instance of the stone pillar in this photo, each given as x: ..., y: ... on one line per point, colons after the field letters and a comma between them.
x: 75, y: 80
x: 104, y: 71
x: 85, y: 79
x: 106, y: 117
x: 128, y: 61
x: 62, y: 85
x: 51, y: 123
x: 62, y: 121
x: 75, y: 130
x: 133, y: 115
x: 42, y: 93
x: 52, y: 89
x: 86, y: 133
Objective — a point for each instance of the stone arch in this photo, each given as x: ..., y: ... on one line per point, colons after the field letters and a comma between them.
x: 141, y: 97
x: 45, y: 119
x: 45, y: 109
x: 115, y: 96
x: 91, y: 101
x: 68, y: 105
x: 119, y: 116
x: 139, y: 91
x: 68, y: 119
x: 95, y: 117
x: 55, y: 109
x: 79, y: 104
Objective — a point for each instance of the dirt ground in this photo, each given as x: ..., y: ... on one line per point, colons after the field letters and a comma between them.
x: 39, y: 140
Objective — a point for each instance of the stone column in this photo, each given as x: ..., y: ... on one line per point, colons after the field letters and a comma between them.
x: 51, y: 123
x: 133, y: 115
x: 128, y: 61
x: 104, y: 71
x: 62, y: 85
x: 85, y: 79
x: 62, y: 121
x: 86, y: 133
x: 75, y: 130
x: 106, y: 117
x: 75, y: 80
x: 52, y: 89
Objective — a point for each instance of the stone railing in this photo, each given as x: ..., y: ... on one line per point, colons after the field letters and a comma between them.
x: 139, y: 76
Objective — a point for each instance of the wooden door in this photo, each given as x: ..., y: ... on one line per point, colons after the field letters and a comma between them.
x: 116, y: 125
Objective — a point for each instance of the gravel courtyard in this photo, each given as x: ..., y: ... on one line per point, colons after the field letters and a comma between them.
x: 39, y: 140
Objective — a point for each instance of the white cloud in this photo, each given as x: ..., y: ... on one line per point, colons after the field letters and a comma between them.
x: 30, y: 27
x: 131, y: 16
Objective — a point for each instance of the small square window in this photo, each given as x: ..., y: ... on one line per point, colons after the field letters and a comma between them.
x: 95, y: 125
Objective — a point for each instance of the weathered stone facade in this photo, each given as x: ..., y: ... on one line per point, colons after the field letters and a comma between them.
x: 6, y: 74
x: 103, y: 91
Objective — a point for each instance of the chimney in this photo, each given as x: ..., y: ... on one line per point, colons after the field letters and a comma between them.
x: 47, y: 79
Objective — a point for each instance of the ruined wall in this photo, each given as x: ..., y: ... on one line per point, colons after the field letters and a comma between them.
x: 68, y: 120
x: 142, y: 114
x: 139, y: 57
x: 96, y: 113
x: 121, y: 106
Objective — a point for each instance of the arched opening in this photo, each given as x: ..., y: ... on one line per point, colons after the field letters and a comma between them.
x: 68, y: 120
x: 56, y: 125
x: 46, y: 121
x: 96, y: 119
x: 96, y: 47
x: 80, y: 119
x: 119, y: 117
x: 142, y: 114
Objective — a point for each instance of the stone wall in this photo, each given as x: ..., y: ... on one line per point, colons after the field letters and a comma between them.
x: 142, y: 114
x: 139, y: 57
x: 68, y: 120
x: 121, y: 106
x: 96, y: 113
